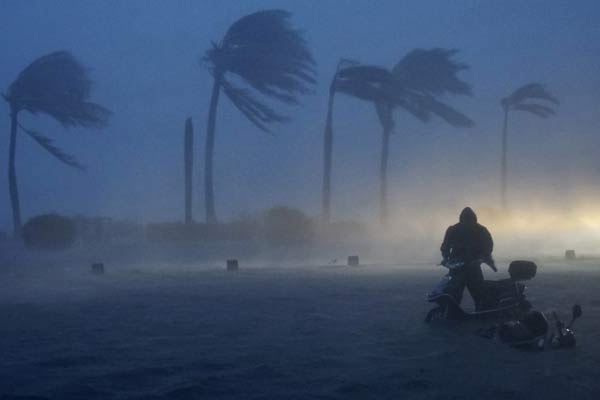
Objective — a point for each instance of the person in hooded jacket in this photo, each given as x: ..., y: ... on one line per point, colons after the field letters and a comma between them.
x: 470, y: 242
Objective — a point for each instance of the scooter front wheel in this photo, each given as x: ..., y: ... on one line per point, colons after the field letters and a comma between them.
x: 434, y: 314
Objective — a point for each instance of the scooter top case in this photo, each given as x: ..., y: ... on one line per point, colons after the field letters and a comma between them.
x: 521, y: 270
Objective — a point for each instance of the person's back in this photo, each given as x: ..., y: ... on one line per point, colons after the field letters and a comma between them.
x: 472, y: 243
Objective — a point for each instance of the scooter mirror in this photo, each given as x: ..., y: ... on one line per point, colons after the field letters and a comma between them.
x: 576, y: 314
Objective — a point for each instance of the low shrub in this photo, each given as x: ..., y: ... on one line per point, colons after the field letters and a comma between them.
x: 180, y: 232
x: 279, y: 225
x: 176, y: 232
x: 343, y: 230
x: 96, y: 230
x: 49, y: 231
x: 287, y: 225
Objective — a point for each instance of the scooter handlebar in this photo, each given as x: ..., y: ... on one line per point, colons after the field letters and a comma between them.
x: 450, y: 265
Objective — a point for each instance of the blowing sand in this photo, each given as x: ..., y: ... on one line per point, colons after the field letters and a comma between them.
x: 149, y: 330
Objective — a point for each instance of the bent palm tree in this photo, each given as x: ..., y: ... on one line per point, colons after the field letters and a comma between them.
x: 273, y: 59
x: 188, y: 167
x: 425, y: 75
x: 414, y: 85
x: 364, y: 82
x: 526, y: 98
x: 378, y: 86
x: 328, y: 141
x: 56, y: 85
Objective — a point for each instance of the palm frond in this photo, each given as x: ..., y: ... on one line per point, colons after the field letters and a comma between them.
x: 530, y: 91
x: 365, y: 73
x: 432, y: 71
x: 57, y: 85
x: 55, y: 151
x: 414, y: 105
x: 342, y: 63
x: 266, y: 52
x: 448, y: 113
x: 537, y: 109
x: 368, y: 82
x: 361, y: 90
x: 388, y: 89
x: 258, y: 113
x: 346, y: 62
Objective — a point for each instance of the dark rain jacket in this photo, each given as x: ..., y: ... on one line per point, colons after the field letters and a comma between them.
x: 467, y: 240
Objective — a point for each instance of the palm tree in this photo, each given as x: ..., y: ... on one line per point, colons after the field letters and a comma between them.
x: 56, y: 85
x: 414, y: 84
x: 365, y: 82
x: 188, y: 164
x: 268, y: 55
x: 328, y: 140
x: 533, y: 98
x: 378, y: 86
x: 423, y: 75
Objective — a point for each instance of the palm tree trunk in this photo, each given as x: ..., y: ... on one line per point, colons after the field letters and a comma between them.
x: 12, y: 177
x: 327, y: 158
x: 503, y: 165
x: 385, y: 150
x: 211, y: 217
x: 188, y: 160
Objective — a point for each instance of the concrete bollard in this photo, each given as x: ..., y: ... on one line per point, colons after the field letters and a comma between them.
x: 233, y: 265
x: 98, y: 268
x: 570, y: 255
x: 353, y: 261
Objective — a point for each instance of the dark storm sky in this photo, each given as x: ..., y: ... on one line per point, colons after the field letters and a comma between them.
x: 144, y: 57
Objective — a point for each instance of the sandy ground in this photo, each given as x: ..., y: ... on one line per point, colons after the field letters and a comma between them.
x: 155, y: 330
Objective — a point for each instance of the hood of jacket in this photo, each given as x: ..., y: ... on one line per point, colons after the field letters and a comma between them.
x: 468, y: 216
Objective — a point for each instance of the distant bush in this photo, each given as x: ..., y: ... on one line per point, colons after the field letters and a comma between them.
x: 176, y: 232
x: 97, y: 230
x: 287, y: 225
x: 181, y: 232
x: 278, y: 225
x: 49, y: 231
x: 343, y: 230
x: 243, y: 229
